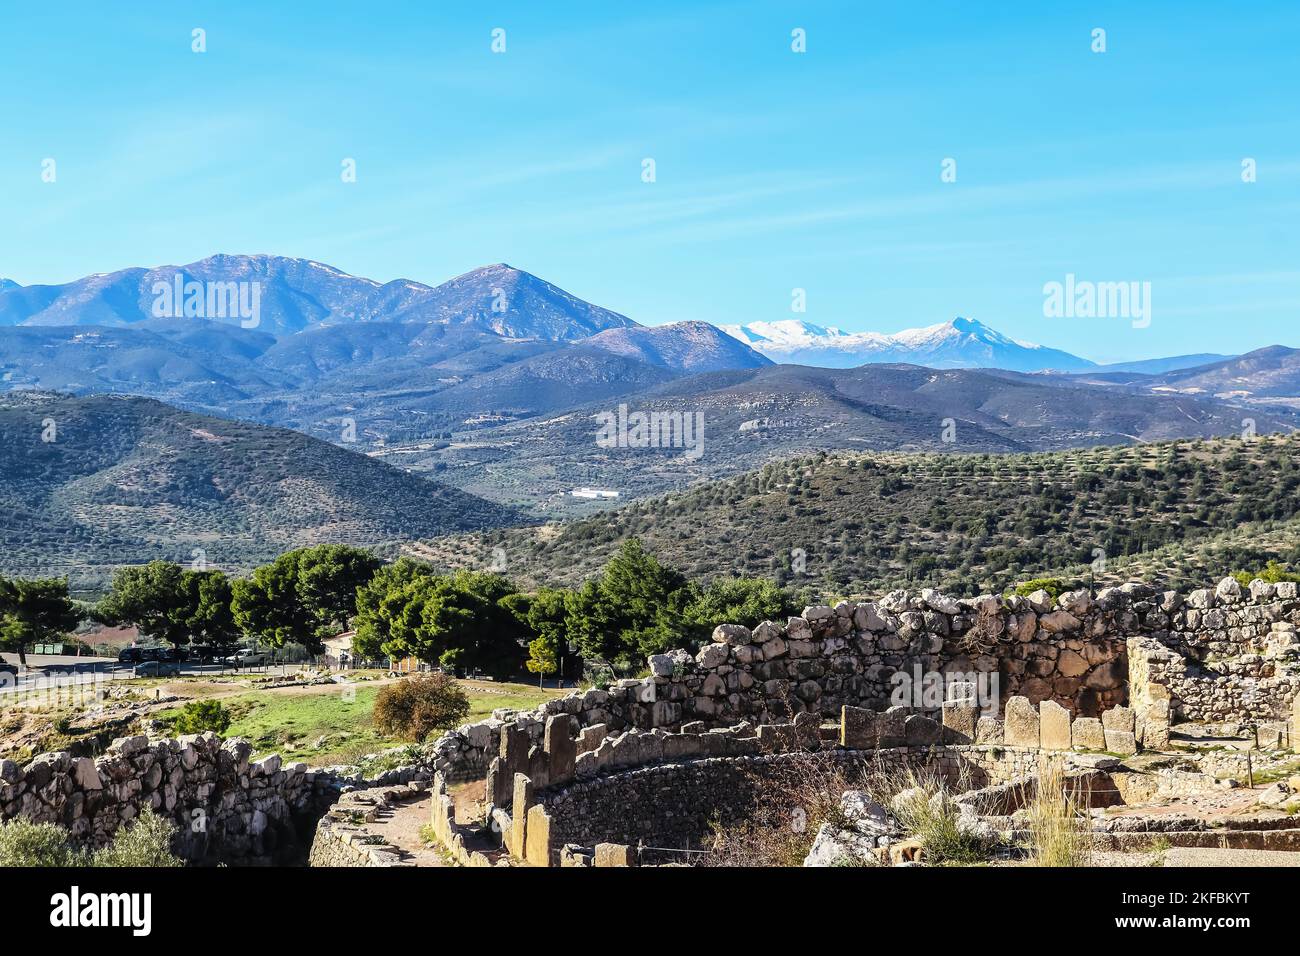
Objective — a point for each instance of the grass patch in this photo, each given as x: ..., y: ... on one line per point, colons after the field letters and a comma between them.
x: 290, y: 722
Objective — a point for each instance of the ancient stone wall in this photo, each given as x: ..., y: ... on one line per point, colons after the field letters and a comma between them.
x: 1074, y: 652
x: 1229, y: 655
x: 227, y: 809
x: 675, y: 805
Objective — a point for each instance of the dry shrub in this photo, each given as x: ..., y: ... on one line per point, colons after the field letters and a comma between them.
x: 792, y: 799
x: 1058, y: 829
x: 924, y: 804
x: 417, y: 706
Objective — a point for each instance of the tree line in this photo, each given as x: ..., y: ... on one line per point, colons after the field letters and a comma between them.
x: 462, y: 621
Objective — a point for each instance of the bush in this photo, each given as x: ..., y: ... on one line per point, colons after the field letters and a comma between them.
x: 1053, y: 586
x: 23, y: 843
x: 1274, y: 572
x: 415, y: 707
x: 926, y: 809
x: 200, y: 716
x: 146, y: 842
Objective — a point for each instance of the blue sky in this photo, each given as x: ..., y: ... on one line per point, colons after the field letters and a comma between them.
x: 775, y: 170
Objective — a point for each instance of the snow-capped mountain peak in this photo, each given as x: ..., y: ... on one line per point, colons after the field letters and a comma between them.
x: 958, y: 343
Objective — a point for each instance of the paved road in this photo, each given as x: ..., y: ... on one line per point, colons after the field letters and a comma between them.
x: 68, y: 671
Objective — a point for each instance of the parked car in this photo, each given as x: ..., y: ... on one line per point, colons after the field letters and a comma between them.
x: 163, y: 652
x: 245, y: 657
x: 157, y: 669
x: 8, y: 674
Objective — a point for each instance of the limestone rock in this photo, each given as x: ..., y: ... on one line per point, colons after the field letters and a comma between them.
x: 1087, y: 733
x: 1054, y: 726
x: 1021, y: 727
x: 733, y: 634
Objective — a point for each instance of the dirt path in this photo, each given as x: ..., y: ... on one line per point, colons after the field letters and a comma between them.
x: 401, y: 827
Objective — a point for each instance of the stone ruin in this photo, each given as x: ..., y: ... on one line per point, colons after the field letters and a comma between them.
x: 1096, y: 679
x: 1084, y: 675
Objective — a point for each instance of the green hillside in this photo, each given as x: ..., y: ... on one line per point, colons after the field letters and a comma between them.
x: 1176, y: 512
x: 88, y: 483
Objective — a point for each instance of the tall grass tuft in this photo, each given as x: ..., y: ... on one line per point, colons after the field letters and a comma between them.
x: 1058, y: 830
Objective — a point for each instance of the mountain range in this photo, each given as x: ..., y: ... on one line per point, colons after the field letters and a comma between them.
x: 299, y: 294
x: 751, y: 417
x: 960, y: 343
x: 492, y: 379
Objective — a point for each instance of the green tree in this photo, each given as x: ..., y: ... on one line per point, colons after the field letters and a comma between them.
x: 464, y: 620
x: 636, y: 607
x: 200, y: 716
x: 305, y: 595
x: 389, y: 609
x: 211, y: 620
x: 158, y: 598
x: 747, y: 601
x: 35, y: 611
x: 542, y: 658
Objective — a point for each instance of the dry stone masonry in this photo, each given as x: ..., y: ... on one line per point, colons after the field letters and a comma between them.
x: 1092, y: 677
x: 1223, y: 654
x: 226, y: 807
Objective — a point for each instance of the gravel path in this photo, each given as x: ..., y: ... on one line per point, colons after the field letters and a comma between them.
x: 1196, y: 857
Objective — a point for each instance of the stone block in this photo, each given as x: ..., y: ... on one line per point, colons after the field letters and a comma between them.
x: 523, y: 799
x: 561, y: 748
x: 1087, y: 733
x: 614, y: 854
x: 889, y: 727
x: 589, y: 738
x: 1021, y: 723
x: 1121, y: 742
x: 1118, y: 718
x: 960, y: 720
x: 988, y: 731
x: 857, y: 728
x: 1053, y: 726
x: 538, y: 838
x: 921, y: 731
x: 777, y: 738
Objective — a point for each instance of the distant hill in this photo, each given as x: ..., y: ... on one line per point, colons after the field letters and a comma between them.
x: 960, y: 343
x: 1158, y: 365
x: 754, y: 416
x: 682, y: 347
x: 1177, y: 514
x: 514, y: 303
x: 87, y: 484
x: 1267, y: 373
